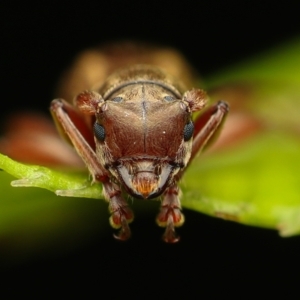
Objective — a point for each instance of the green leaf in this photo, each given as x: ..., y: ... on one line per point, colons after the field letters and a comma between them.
x: 255, y: 183
x: 271, y: 84
x: 63, y: 183
x: 35, y: 221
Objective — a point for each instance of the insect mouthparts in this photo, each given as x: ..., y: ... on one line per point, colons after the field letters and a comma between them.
x: 145, y: 184
x: 147, y: 181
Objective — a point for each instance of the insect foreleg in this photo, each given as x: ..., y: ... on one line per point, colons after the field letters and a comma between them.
x: 59, y: 110
x: 170, y: 215
x: 208, y: 125
x: 121, y: 214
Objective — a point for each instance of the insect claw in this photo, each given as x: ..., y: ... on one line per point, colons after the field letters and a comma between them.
x: 170, y: 235
x: 121, y: 216
x: 124, y: 233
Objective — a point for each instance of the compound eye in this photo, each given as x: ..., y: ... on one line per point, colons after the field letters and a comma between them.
x: 169, y: 98
x: 99, y: 132
x: 117, y: 99
x: 188, y: 131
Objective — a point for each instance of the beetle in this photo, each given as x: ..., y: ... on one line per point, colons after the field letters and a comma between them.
x: 133, y: 128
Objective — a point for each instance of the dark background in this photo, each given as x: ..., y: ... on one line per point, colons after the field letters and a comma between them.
x: 38, y: 41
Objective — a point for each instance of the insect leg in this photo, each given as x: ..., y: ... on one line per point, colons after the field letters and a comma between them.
x: 170, y: 215
x: 208, y: 126
x: 121, y: 214
x: 60, y: 110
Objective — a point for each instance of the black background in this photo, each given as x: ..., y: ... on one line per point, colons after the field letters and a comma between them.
x: 38, y: 41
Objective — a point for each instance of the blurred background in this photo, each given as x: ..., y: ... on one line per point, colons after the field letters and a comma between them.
x: 39, y: 41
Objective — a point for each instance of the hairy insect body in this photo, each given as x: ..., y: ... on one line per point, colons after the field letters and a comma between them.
x: 135, y: 133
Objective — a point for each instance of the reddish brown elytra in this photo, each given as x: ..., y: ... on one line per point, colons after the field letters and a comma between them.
x: 134, y: 130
